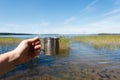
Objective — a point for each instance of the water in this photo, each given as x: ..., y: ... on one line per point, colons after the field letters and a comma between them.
x: 83, y: 62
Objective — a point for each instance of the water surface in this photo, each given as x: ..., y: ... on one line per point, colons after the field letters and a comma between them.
x: 83, y: 62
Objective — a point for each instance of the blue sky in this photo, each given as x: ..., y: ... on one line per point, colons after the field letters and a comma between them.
x: 60, y: 16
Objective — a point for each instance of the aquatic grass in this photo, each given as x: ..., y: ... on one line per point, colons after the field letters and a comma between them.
x: 101, y: 41
x: 64, y: 44
x: 8, y: 40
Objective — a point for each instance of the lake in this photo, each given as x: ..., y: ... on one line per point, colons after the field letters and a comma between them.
x: 82, y: 62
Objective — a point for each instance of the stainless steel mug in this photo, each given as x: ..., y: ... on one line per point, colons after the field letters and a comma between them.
x: 51, y: 45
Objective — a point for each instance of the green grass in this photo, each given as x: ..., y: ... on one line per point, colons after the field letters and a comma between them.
x: 101, y: 41
x: 8, y: 40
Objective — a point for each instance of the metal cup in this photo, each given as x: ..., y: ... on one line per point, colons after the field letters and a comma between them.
x: 51, y: 45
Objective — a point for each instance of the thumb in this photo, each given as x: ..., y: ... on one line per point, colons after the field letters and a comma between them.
x: 33, y: 39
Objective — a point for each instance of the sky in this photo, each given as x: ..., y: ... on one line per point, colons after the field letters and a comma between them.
x: 60, y: 16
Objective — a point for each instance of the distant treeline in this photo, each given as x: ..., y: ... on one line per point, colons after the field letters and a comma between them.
x: 109, y: 34
x: 15, y: 34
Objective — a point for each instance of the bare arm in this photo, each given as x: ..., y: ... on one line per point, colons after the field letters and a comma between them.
x: 25, y: 51
x: 7, y: 62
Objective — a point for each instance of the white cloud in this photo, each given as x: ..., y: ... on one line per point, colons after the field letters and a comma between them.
x: 113, y: 12
x: 108, y: 24
x: 69, y: 20
x: 42, y: 24
x: 24, y: 28
x: 90, y: 7
x: 12, y: 25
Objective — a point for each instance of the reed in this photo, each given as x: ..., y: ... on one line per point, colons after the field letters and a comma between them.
x: 101, y: 41
x: 8, y: 40
x: 64, y: 44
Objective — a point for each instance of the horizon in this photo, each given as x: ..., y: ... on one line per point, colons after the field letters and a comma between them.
x: 60, y: 16
x: 11, y: 33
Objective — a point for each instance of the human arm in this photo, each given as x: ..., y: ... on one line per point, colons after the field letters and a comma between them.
x: 25, y: 51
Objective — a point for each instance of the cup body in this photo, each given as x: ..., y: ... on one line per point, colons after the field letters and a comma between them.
x: 51, y: 45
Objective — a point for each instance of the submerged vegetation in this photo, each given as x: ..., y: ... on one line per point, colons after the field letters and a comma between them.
x: 101, y: 41
x: 8, y: 40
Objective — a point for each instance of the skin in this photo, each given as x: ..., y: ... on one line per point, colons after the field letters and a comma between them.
x: 26, y: 50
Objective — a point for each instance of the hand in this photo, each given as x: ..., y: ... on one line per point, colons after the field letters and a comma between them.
x: 27, y: 50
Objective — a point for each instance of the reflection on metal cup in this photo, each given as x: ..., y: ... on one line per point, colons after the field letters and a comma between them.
x: 51, y: 45
x: 55, y: 46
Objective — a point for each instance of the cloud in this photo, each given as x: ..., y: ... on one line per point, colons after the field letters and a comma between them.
x: 113, y: 12
x: 24, y: 28
x: 11, y: 25
x: 42, y: 24
x: 39, y: 24
x: 90, y: 7
x: 108, y: 24
x: 69, y: 20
